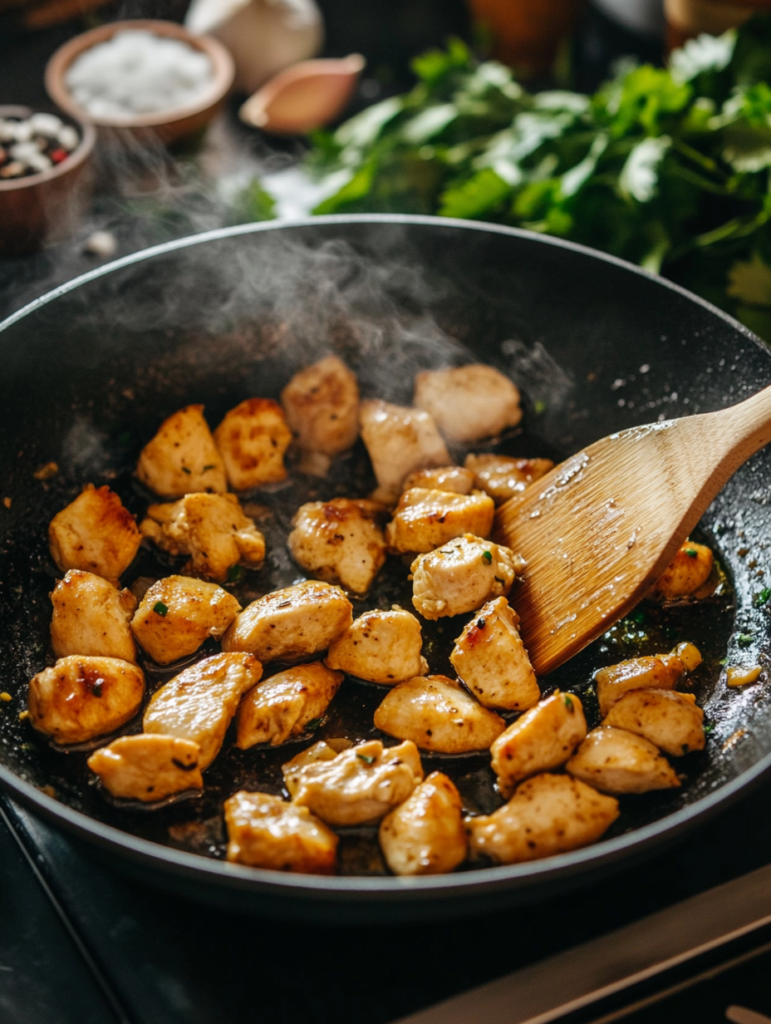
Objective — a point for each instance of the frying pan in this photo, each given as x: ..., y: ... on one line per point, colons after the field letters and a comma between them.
x: 89, y: 370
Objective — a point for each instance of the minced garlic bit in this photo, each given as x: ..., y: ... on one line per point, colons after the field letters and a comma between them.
x: 48, y: 790
x: 5, y: 696
x: 46, y: 472
x: 7, y: 502
x: 741, y: 675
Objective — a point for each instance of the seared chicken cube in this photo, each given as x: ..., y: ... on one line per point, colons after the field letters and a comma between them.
x: 425, y: 835
x: 252, y: 440
x: 292, y: 623
x: 80, y: 698
x: 356, y: 786
x: 199, y: 703
x: 321, y: 404
x: 686, y: 574
x: 543, y: 738
x: 178, y: 613
x: 437, y: 714
x: 547, y: 815
x: 670, y: 720
x: 147, y: 768
x: 285, y: 704
x: 91, y: 616
x: 94, y: 533
x: 399, y: 441
x: 502, y: 477
x: 468, y: 402
x: 339, y: 541
x: 211, y: 528
x: 424, y: 520
x: 381, y: 647
x: 461, y: 575
x: 654, y: 671
x: 616, y: 761
x: 267, y: 832
x: 491, y: 659
x: 182, y: 457
x: 447, y: 478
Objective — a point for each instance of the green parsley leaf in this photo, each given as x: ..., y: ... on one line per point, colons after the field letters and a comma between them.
x: 692, y: 553
x: 744, y: 639
x: 762, y: 597
x: 487, y: 557
x: 366, y: 758
x: 709, y: 728
x: 160, y: 608
x: 235, y: 572
x: 315, y: 723
x: 569, y: 703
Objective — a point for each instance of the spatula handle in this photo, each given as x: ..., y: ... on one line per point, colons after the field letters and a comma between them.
x: 747, y: 426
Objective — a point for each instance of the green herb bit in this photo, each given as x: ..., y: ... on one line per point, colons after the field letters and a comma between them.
x: 235, y: 572
x: 315, y: 723
x: 691, y: 552
x: 207, y: 468
x: 186, y: 470
x: 487, y: 557
x: 160, y: 608
x: 499, y: 580
x: 723, y: 661
x: 540, y: 406
x: 744, y: 639
x: 638, y: 617
x: 709, y: 728
x: 569, y: 703
x: 366, y: 758
x: 762, y: 597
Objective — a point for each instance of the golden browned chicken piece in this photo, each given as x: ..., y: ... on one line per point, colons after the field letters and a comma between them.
x: 211, y: 528
x: 91, y: 616
x: 543, y: 738
x: 252, y: 439
x: 424, y: 520
x: 267, y: 832
x: 462, y: 575
x: 80, y: 698
x: 321, y: 404
x: 468, y: 402
x: 399, y: 441
x: 491, y: 659
x: 547, y: 815
x: 616, y: 761
x: 436, y: 713
x: 686, y: 575
x: 147, y: 767
x: 381, y: 647
x: 654, y: 671
x: 178, y: 613
x: 285, y: 704
x: 425, y: 835
x: 339, y: 541
x: 199, y: 703
x: 356, y: 786
x: 669, y: 720
x: 447, y: 478
x: 94, y: 533
x: 502, y: 477
x: 291, y: 623
x: 182, y: 457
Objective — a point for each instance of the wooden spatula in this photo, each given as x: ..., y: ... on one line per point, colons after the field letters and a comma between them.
x: 599, y: 529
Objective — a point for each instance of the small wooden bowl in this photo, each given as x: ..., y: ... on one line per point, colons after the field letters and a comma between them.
x: 166, y: 125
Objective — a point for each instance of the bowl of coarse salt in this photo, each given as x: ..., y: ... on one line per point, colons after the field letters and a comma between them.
x: 141, y: 76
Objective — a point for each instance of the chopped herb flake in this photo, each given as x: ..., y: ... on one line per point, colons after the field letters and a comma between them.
x: 186, y: 470
x: 207, y: 468
x: 638, y: 617
x: 723, y: 661
x: 744, y: 639
x: 691, y: 552
x: 569, y: 703
x: 709, y: 728
x: 160, y: 608
x: 366, y: 758
x: 540, y: 406
x: 487, y: 557
x: 762, y: 597
x: 498, y: 579
x: 315, y: 723
x: 235, y: 572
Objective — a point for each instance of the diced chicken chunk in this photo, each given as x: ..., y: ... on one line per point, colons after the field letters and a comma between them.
x: 199, y: 703
x: 211, y: 528
x: 502, y: 477
x: 543, y: 738
x: 436, y: 713
x: 339, y: 541
x: 283, y: 705
x: 182, y: 457
x: 491, y: 659
x: 178, y: 613
x: 359, y: 785
x: 547, y: 815
x: 291, y: 623
x: 468, y: 402
x: 399, y: 441
x: 91, y: 617
x: 447, y: 478
x: 94, y: 533
x: 321, y: 404
x: 616, y: 761
x: 424, y: 520
x: 252, y: 440
x: 687, y: 573
x: 80, y: 698
x: 670, y: 720
x: 267, y: 832
x: 654, y: 671
x: 147, y: 768
x: 461, y: 576
x: 425, y: 835
x: 381, y: 647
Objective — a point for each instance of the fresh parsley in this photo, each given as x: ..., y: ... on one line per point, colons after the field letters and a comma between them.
x: 366, y: 758
x: 487, y: 556
x: 160, y: 608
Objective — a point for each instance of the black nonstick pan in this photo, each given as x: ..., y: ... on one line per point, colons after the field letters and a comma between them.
x: 88, y: 372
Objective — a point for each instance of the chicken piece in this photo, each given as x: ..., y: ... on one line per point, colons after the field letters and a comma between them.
x: 652, y: 672
x: 199, y: 703
x: 436, y: 713
x: 211, y: 528
x: 491, y: 659
x: 424, y: 520
x: 543, y: 738
x: 252, y: 439
x: 80, y: 698
x: 358, y: 786
x: 292, y: 623
x: 177, y: 614
x: 147, y: 768
x: 285, y: 704
x: 339, y: 541
x: 462, y: 575
x: 321, y: 405
x: 686, y: 574
x: 399, y: 441
x: 182, y: 457
x: 669, y: 720
x: 468, y: 402
x: 548, y: 814
x: 616, y: 761
x: 267, y: 832
x: 447, y: 478
x: 381, y: 647
x: 94, y: 533
x: 91, y: 617
x: 502, y: 477
x: 425, y: 835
